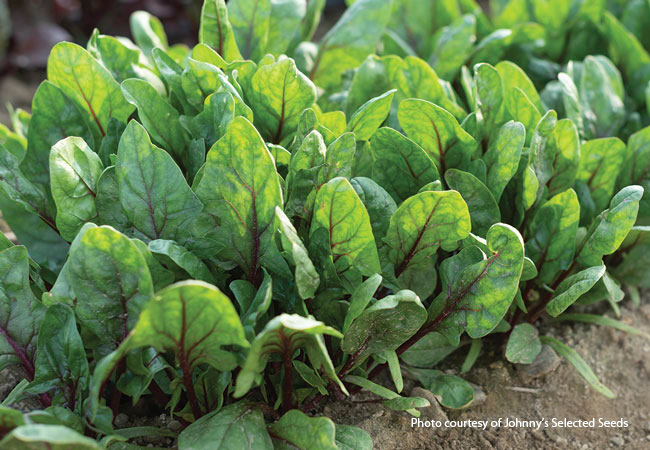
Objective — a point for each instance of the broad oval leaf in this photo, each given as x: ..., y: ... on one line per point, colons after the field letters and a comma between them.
x: 297, y: 430
x: 379, y: 204
x: 245, y: 197
x: 384, y: 326
x: 279, y: 93
x: 422, y: 224
x: 479, y: 293
x: 437, y: 131
x: 600, y: 162
x: 572, y: 288
x: 215, y: 30
x: 553, y: 231
x: 339, y: 210
x: 401, y: 166
x: 483, y: 208
x: 250, y: 20
x: 54, y: 437
x: 523, y: 344
x: 88, y: 83
x: 157, y: 115
x: 502, y: 157
x: 369, y: 117
x: 74, y: 174
x: 111, y: 283
x: 236, y: 426
x: 152, y: 190
x: 20, y: 312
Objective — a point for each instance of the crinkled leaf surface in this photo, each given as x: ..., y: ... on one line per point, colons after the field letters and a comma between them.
x: 600, y: 162
x: 250, y: 20
x: 502, y: 158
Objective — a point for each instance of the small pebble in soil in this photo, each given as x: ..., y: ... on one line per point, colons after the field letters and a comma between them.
x: 617, y: 441
x: 121, y: 420
x: 174, y: 425
x: 546, y: 362
x: 648, y: 437
x: 479, y: 395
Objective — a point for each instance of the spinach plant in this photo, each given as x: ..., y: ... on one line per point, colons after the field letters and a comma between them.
x: 235, y: 232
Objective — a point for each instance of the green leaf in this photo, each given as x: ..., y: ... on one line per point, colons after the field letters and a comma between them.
x: 572, y: 288
x: 193, y: 319
x: 286, y: 17
x: 352, y: 438
x: 307, y: 279
x: 216, y: 31
x: 369, y: 117
x: 406, y: 403
x: 284, y: 334
x: 553, y: 231
x: 360, y: 298
x: 401, y: 166
x: 183, y: 258
x: 502, y: 157
x: 635, y: 169
x: 111, y: 283
x: 340, y: 212
x: 297, y: 430
x: 604, y: 321
x: 18, y: 189
x: 54, y: 437
x: 239, y: 425
x: 109, y: 211
x: 523, y: 344
x: 611, y: 227
x: 55, y: 116
x: 452, y: 391
x: 421, y: 224
x: 483, y: 208
x: 634, y: 253
x: 152, y: 190
x: 250, y: 20
x: 61, y: 358
x: 347, y: 43
x: 453, y: 45
x: 148, y: 32
x: 437, y: 132
x: 246, y: 195
x: 379, y: 204
x: 600, y: 162
x: 159, y: 117
x: 601, y: 91
x: 279, y: 94
x: 384, y: 326
x: 20, y: 312
x: 428, y: 351
x: 581, y: 366
x: 567, y: 157
x: 74, y: 175
x: 472, y: 355
x: 480, y: 291
x: 89, y: 84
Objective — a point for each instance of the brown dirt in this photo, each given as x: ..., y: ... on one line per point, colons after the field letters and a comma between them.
x: 621, y: 361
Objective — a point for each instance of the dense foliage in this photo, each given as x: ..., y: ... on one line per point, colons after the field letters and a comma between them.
x: 234, y: 235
